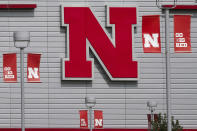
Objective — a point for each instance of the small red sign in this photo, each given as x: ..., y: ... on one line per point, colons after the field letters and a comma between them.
x: 9, y: 68
x: 83, y: 118
x: 182, y: 42
x: 149, y: 120
x: 151, y: 34
x: 98, y: 119
x: 33, y: 67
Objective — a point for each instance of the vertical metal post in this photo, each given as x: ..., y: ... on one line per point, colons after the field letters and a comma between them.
x: 152, y: 119
x: 21, y: 40
x: 168, y: 77
x: 22, y: 88
x: 90, y: 113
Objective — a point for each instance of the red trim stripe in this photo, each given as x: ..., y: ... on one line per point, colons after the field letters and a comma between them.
x: 18, y: 6
x: 77, y: 129
x: 188, y: 7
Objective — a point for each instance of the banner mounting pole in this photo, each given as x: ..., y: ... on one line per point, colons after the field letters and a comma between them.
x: 22, y: 89
x: 168, y: 71
x: 21, y: 41
x: 167, y: 53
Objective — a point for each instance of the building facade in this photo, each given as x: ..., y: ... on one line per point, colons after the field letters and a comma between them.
x: 55, y: 103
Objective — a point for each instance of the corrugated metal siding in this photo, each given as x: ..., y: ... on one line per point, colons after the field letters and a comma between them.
x: 55, y: 103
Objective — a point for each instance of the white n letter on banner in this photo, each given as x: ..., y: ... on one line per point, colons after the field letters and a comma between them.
x: 98, y: 122
x: 33, y: 73
x: 153, y: 40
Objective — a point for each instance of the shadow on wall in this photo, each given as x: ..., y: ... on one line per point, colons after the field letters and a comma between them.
x: 17, y: 13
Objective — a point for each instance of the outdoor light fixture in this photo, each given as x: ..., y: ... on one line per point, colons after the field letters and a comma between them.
x: 90, y: 103
x: 152, y: 104
x: 21, y: 40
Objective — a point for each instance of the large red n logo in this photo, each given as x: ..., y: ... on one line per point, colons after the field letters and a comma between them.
x: 84, y: 32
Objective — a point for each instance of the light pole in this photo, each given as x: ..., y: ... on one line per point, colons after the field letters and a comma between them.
x: 168, y: 71
x: 21, y: 40
x: 167, y: 52
x: 90, y: 102
x: 152, y: 105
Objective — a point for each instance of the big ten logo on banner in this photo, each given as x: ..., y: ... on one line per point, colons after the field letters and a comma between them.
x: 151, y: 34
x: 9, y: 68
x: 113, y: 53
x: 98, y: 119
x: 33, y: 67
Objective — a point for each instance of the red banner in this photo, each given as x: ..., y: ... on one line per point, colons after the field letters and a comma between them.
x: 83, y: 118
x: 9, y: 68
x: 149, y: 120
x: 151, y: 34
x: 98, y: 119
x: 182, y: 25
x: 33, y: 67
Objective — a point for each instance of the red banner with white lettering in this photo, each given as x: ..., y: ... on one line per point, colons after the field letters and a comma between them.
x: 182, y: 25
x: 83, y: 118
x: 9, y: 68
x: 151, y: 34
x: 33, y: 67
x: 98, y: 119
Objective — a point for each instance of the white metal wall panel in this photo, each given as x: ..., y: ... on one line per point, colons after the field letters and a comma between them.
x: 56, y: 103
